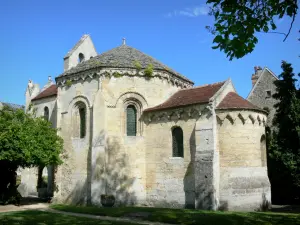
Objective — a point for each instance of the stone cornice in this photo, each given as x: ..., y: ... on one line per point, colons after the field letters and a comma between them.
x: 245, y: 116
x: 111, y: 72
x: 192, y: 112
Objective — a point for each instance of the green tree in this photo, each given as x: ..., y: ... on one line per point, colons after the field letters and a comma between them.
x: 284, y: 149
x: 238, y: 21
x: 25, y: 141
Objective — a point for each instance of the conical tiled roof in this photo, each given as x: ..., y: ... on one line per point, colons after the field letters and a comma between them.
x: 123, y: 56
x: 233, y: 101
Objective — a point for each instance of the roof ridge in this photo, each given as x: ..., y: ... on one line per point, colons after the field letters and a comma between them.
x: 204, y: 85
x: 76, y: 45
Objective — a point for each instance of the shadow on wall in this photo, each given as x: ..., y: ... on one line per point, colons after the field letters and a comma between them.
x: 111, y: 172
x: 266, y: 204
x: 53, y: 117
x: 116, y: 176
x: 189, y: 177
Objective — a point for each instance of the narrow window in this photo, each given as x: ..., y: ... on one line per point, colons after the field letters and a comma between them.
x: 80, y: 57
x: 177, y: 139
x: 131, y: 120
x: 46, y: 113
x: 82, y: 117
x: 268, y: 94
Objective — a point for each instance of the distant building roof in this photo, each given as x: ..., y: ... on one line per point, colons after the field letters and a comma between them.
x: 48, y: 92
x: 189, y: 96
x: 12, y: 105
x: 123, y: 56
x: 233, y: 101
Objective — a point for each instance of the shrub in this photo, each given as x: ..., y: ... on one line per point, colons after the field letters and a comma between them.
x: 149, y: 71
x: 137, y: 65
x: 68, y: 83
x: 116, y: 74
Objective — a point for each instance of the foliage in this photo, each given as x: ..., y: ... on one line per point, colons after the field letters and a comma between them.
x: 25, y: 141
x: 284, y: 145
x: 32, y: 217
x: 237, y: 22
x: 149, y: 70
x: 186, y: 216
x: 68, y: 83
x: 117, y: 75
x: 137, y: 65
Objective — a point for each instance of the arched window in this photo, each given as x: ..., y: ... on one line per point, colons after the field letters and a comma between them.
x: 177, y: 142
x: 263, y: 150
x: 46, y: 113
x: 82, y: 116
x: 131, y: 117
x: 80, y: 57
x: 79, y: 116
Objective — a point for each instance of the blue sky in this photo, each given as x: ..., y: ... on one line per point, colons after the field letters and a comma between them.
x: 35, y: 35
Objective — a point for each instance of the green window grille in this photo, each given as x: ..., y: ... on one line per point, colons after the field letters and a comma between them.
x: 46, y: 113
x: 177, y: 139
x: 82, y: 115
x: 131, y: 120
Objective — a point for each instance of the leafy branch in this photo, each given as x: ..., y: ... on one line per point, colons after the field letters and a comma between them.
x: 236, y: 23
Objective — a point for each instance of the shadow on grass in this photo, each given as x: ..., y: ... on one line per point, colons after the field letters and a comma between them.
x: 45, y: 218
x: 186, y: 216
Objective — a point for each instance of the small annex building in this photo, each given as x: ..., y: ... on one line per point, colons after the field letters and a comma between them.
x: 135, y: 128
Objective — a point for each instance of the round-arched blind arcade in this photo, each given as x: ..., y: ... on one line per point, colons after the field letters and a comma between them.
x: 131, y: 117
x: 177, y: 139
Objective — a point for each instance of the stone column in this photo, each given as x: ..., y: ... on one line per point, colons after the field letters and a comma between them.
x: 206, y: 162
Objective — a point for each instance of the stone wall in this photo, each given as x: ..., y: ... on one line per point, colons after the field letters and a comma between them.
x: 28, y: 181
x: 170, y: 181
x: 106, y: 160
x: 86, y: 48
x: 51, y: 103
x: 244, y: 183
x: 259, y: 96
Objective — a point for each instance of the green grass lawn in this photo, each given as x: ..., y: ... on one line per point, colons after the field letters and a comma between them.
x: 45, y: 218
x: 187, y: 216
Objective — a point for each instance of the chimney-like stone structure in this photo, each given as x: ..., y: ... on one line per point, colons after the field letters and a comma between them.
x: 255, y: 76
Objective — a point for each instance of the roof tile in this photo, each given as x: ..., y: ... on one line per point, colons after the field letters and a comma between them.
x: 189, y: 96
x: 48, y: 92
x: 123, y: 56
x: 233, y: 101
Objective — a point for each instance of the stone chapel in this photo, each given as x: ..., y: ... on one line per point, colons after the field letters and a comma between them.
x: 139, y: 130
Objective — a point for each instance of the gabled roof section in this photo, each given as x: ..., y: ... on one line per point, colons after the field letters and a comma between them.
x: 48, y: 92
x: 123, y: 56
x: 233, y: 101
x: 77, y: 45
x: 189, y: 96
x: 260, y: 77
